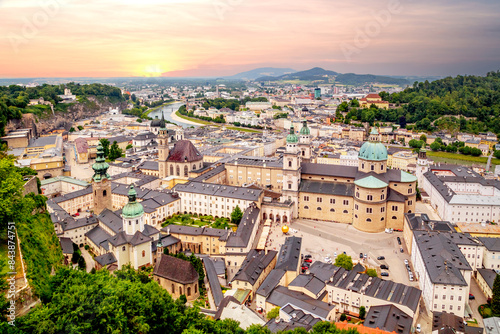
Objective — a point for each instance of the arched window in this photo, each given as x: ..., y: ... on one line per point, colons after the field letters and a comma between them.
x: 332, y: 210
x: 394, y: 217
x: 185, y: 170
x: 194, y: 167
x: 189, y: 291
x: 382, y: 167
x: 306, y: 207
x: 368, y: 220
x: 123, y: 248
x: 381, y: 219
x: 173, y: 288
x: 290, y: 163
x: 180, y: 290
x: 318, y: 208
x: 372, y: 167
x: 345, y: 211
x: 357, y: 194
x: 177, y: 171
x: 369, y: 197
x: 196, y: 288
x: 104, y: 193
x: 363, y: 166
x: 143, y: 253
x: 171, y: 169
x: 355, y: 216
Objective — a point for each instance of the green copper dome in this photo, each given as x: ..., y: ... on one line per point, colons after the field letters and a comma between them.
x: 292, y: 137
x: 132, y: 209
x: 373, y: 151
x: 305, y: 131
x: 100, y: 166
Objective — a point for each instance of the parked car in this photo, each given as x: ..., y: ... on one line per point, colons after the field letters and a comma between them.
x: 306, y: 264
x: 328, y: 260
x: 406, y: 261
x: 365, y: 255
x: 418, y: 328
x: 308, y: 256
x: 381, y: 258
x: 401, y: 250
x: 304, y: 269
x: 399, y: 240
x: 309, y: 260
x: 384, y: 273
x: 471, y: 296
x: 335, y: 254
x: 360, y: 255
x: 384, y: 266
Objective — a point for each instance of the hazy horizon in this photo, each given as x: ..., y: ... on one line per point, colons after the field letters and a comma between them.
x: 205, y: 38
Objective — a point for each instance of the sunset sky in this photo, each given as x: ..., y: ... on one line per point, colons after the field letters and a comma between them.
x: 105, y: 38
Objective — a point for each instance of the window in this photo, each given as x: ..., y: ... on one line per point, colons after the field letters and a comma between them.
x: 123, y: 248
x: 332, y: 200
x: 382, y: 209
x: 180, y: 290
x: 394, y: 208
x: 306, y: 198
x: 381, y: 167
x: 459, y: 298
x: 177, y: 171
x: 319, y: 199
x: 444, y: 297
x: 290, y: 163
x: 459, y: 308
x: 173, y: 288
x: 318, y: 208
x: 143, y: 253
x: 104, y: 193
x: 185, y: 171
x: 382, y: 219
x: 332, y: 210
x: 394, y: 217
x: 171, y: 169
x: 362, y: 166
x: 369, y: 197
x: 372, y: 167
x: 189, y: 291
x: 306, y: 207
x: 289, y: 186
x: 442, y: 306
x: 451, y: 297
x: 369, y: 210
x: 346, y: 202
x: 355, y: 206
x: 368, y: 220
x: 345, y: 211
x: 382, y: 197
x: 410, y: 191
x: 410, y: 202
x: 357, y: 194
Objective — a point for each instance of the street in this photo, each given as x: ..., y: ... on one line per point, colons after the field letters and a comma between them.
x: 79, y: 171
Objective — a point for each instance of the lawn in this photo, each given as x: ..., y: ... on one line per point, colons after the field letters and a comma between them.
x: 200, y: 221
x: 242, y: 129
x: 456, y: 156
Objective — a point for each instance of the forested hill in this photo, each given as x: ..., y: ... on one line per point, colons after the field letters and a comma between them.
x: 473, y: 102
x: 14, y: 100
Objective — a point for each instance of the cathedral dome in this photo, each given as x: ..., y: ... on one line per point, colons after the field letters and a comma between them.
x: 132, y: 209
x: 373, y: 151
x: 305, y: 131
x: 292, y: 137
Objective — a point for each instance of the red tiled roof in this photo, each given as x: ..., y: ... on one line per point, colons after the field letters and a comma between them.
x: 183, y: 151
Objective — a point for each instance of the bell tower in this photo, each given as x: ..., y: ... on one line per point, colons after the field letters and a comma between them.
x: 291, y: 170
x: 305, y: 142
x: 162, y: 149
x: 101, y: 185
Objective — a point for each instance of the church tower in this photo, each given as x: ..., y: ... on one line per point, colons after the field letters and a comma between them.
x: 291, y: 170
x: 133, y: 213
x: 305, y: 142
x: 162, y: 149
x: 101, y: 185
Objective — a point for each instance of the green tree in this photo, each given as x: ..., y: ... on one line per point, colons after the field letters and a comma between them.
x: 343, y: 317
x: 115, y: 151
x: 497, y: 154
x: 371, y: 272
x: 415, y: 143
x: 423, y: 138
x: 495, y: 300
x: 274, y: 313
x: 129, y: 146
x: 236, y: 215
x: 344, y: 261
x: 80, y: 128
x: 105, y: 146
x: 362, y: 312
x: 435, y: 146
x: 72, y: 129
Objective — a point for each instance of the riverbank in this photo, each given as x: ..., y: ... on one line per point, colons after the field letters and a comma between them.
x: 147, y: 112
x: 176, y: 116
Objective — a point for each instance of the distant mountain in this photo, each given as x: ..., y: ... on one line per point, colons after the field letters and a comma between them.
x: 316, y: 73
x: 319, y: 74
x: 261, y: 72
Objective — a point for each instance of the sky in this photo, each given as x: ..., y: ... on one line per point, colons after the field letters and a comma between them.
x: 198, y: 38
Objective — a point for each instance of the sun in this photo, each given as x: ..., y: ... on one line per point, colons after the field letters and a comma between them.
x: 154, y: 70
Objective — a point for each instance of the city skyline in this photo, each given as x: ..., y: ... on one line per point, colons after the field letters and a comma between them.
x: 201, y: 38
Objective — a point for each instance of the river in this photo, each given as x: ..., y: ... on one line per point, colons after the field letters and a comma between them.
x: 167, y: 111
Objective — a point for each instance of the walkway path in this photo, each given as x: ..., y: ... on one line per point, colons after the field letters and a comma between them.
x: 89, y: 261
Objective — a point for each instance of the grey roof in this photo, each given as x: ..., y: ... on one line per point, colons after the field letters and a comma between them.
x: 73, y: 195
x: 98, y: 236
x: 442, y: 258
x: 375, y: 287
x: 253, y: 266
x: 220, y: 265
x: 150, y: 165
x: 141, y: 179
x: 213, y: 280
x: 328, y: 188
x: 463, y: 239
x: 272, y: 280
x: 322, y: 270
x: 242, y: 236
x: 489, y: 276
x: 492, y: 325
x: 219, y: 190
x: 388, y: 318
x: 192, y: 230
x: 164, y: 242
x: 71, y: 223
x: 310, y: 283
x: 123, y: 238
x: 257, y: 161
x: 296, y: 318
x: 66, y: 245
x: 42, y: 141
x: 422, y: 222
x: 105, y: 259
x: 211, y: 173
x: 491, y: 244
x: 111, y: 220
x: 282, y: 296
x: 289, y: 255
x: 284, y: 326
x: 329, y: 170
